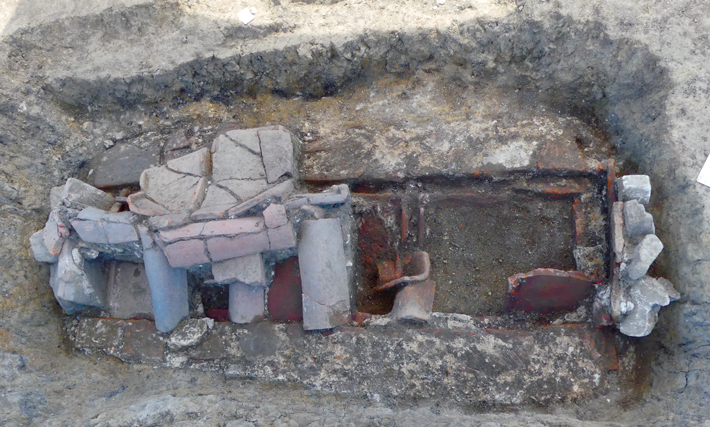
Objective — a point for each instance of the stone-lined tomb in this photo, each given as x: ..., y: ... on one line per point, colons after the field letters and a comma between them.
x: 226, y: 256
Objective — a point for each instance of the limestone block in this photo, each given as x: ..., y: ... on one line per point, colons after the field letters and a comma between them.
x: 326, y: 299
x: 84, y: 194
x: 77, y: 282
x: 637, y: 222
x: 645, y: 253
x: 248, y: 270
x: 634, y: 187
x: 129, y: 291
x: 197, y: 163
x: 648, y: 295
x: 168, y: 285
x: 277, y: 153
x: 246, y: 303
x: 39, y: 250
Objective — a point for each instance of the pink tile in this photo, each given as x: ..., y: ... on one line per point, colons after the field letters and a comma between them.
x: 186, y: 253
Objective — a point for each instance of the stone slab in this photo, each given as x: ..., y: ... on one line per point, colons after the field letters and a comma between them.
x: 283, y: 237
x: 142, y: 343
x: 246, y: 303
x: 120, y: 233
x: 634, y: 187
x: 275, y: 216
x: 76, y: 191
x: 123, y: 165
x: 637, y: 222
x: 546, y: 290
x: 285, y: 302
x: 222, y: 248
x: 129, y: 294
x: 414, y: 302
x: 248, y: 270
x: 644, y: 254
x: 168, y: 285
x: 321, y: 258
x: 277, y: 153
x: 186, y: 253
x: 173, y: 191
x: 39, y: 250
x: 197, y: 163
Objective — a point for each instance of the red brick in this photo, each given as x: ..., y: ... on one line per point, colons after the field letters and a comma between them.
x: 186, y: 253
x: 285, y: 301
x: 547, y: 290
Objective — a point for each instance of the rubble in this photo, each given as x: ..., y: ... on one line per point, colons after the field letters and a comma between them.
x: 39, y: 250
x: 647, y: 295
x: 79, y: 193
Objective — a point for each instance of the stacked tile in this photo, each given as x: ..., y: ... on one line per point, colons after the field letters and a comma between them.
x: 635, y: 298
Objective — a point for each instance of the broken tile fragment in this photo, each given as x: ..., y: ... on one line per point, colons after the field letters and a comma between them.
x: 197, y: 163
x: 637, y: 222
x: 189, y: 333
x: 142, y: 205
x: 215, y: 205
x: 648, y: 295
x: 231, y: 161
x: 248, y: 270
x: 546, y: 290
x: 634, y: 187
x: 232, y: 227
x: 283, y: 237
x: 275, y: 216
x: 168, y: 285
x: 186, y: 253
x: 189, y: 231
x: 321, y: 258
x: 245, y: 189
x: 335, y: 195
x: 39, y: 250
x: 414, y: 301
x: 644, y: 254
x: 221, y: 248
x: 123, y: 165
x: 277, y: 153
x: 277, y: 193
x: 246, y: 303
x: 248, y: 138
x: 77, y: 282
x: 617, y: 230
x: 285, y: 301
x: 129, y: 292
x: 76, y: 191
x: 173, y: 191
x: 54, y: 233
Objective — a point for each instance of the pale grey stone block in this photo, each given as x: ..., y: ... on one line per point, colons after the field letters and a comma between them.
x: 645, y: 253
x: 648, y: 295
x: 326, y: 299
x: 637, y: 222
x: 634, y: 187
x: 76, y: 281
x: 246, y: 303
x: 54, y: 233
x: 248, y: 270
x: 39, y: 250
x: 84, y: 194
x: 189, y: 333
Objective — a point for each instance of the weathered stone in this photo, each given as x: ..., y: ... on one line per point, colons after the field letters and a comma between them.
x: 276, y: 193
x: 617, y: 230
x: 321, y: 258
x: 189, y: 231
x: 221, y: 248
x: 234, y: 162
x: 248, y: 138
x: 414, y: 301
x: 129, y: 291
x: 197, y: 163
x: 277, y: 153
x: 645, y: 253
x: 186, y: 253
x: 176, y: 141
x: 142, y: 205
x: 39, y: 250
x: 77, y: 282
x: 54, y: 233
x: 120, y: 233
x: 637, y: 222
x: 123, y: 165
x: 245, y: 189
x: 336, y: 195
x: 232, y: 227
x: 248, y: 270
x: 55, y: 196
x: 601, y: 307
x: 173, y: 191
x: 246, y: 303
x: 90, y: 231
x: 283, y: 237
x: 634, y: 187
x: 648, y: 295
x: 285, y: 301
x: 547, y: 290
x: 591, y: 261
x: 84, y: 194
x: 142, y: 343
x: 103, y: 334
x: 275, y: 216
x: 168, y: 285
x: 215, y: 205
x: 189, y: 333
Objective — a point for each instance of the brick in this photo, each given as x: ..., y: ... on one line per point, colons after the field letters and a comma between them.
x: 275, y: 216
x: 285, y: 302
x: 414, y: 302
x: 84, y: 194
x: 634, y: 187
x: 189, y: 231
x: 232, y: 227
x: 277, y: 153
x: 546, y: 290
x: 221, y: 248
x: 248, y: 270
x: 197, y: 163
x: 186, y: 253
x: 282, y: 237
x: 142, y: 343
x: 246, y: 303
x: 129, y: 291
